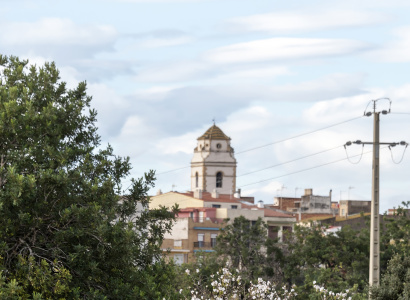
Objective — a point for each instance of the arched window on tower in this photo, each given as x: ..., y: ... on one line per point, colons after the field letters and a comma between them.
x: 219, y: 179
x: 196, y: 179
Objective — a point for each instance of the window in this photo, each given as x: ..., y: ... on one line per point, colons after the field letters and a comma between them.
x: 234, y: 206
x: 201, y: 240
x: 219, y: 179
x: 178, y: 244
x: 178, y: 259
x: 213, y: 239
x: 273, y: 232
x: 196, y: 179
x: 219, y: 146
x: 216, y: 205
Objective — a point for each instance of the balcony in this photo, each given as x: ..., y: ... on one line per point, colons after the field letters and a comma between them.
x: 204, y: 244
x: 207, y: 219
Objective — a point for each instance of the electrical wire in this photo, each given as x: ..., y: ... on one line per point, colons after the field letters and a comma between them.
x: 304, y: 170
x: 299, y: 135
x: 348, y: 158
x: 276, y: 142
x: 290, y: 161
x: 169, y: 171
x: 392, y: 158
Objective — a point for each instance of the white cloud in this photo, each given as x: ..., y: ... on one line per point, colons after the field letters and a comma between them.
x: 398, y: 50
x: 164, y: 42
x: 252, y: 73
x: 296, y: 22
x: 56, y: 31
x: 162, y: 1
x: 283, y: 48
x: 175, y: 72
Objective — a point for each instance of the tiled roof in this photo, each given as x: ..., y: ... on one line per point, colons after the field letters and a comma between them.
x: 268, y: 212
x: 214, y: 133
x: 274, y: 213
x: 225, y: 198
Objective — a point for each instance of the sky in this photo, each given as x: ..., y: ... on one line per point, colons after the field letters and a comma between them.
x: 288, y: 81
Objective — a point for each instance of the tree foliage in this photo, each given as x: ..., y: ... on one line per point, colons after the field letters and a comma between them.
x: 245, y: 243
x: 61, y: 215
x: 395, y: 283
x: 338, y: 260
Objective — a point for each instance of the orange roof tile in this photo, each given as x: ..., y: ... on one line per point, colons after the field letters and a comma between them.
x: 214, y: 133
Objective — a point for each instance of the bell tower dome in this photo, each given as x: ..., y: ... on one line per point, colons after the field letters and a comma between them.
x: 213, y: 166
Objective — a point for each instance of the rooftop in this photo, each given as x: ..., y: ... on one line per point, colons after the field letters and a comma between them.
x: 214, y: 133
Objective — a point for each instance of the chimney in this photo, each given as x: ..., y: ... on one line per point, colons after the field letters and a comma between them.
x: 308, y: 192
x: 330, y: 194
x: 215, y: 194
x: 198, y: 194
x: 159, y: 192
x: 238, y: 194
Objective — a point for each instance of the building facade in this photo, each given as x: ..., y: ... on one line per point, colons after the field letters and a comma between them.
x: 213, y: 165
x: 212, y: 201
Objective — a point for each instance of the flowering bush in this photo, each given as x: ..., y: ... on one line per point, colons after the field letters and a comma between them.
x: 229, y: 285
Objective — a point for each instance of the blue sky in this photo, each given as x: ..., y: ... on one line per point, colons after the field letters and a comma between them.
x: 160, y: 72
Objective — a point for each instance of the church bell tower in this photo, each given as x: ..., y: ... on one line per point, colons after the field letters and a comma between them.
x: 213, y: 167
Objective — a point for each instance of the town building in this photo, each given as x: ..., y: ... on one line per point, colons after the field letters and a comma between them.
x: 308, y: 206
x: 352, y: 207
x: 213, y: 201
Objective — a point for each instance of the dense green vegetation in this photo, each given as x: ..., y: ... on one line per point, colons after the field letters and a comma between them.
x: 338, y: 261
x: 64, y: 230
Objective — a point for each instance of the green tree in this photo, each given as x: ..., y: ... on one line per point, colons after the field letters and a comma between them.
x: 395, y: 236
x: 60, y: 207
x: 395, y: 283
x: 244, y: 244
x: 339, y: 261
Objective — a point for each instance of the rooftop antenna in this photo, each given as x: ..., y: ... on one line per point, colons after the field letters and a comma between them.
x: 348, y: 196
x: 296, y: 189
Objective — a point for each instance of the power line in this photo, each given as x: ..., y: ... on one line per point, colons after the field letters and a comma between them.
x: 290, y: 161
x: 169, y: 171
x: 299, y: 135
x: 273, y: 143
x: 304, y: 170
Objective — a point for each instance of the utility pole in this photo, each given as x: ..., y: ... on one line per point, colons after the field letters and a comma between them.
x: 374, y: 261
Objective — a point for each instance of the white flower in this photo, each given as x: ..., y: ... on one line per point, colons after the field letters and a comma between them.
x: 187, y: 271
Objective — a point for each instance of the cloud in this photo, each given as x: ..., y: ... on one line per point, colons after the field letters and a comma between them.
x: 396, y: 51
x: 162, y: 1
x: 176, y: 72
x: 58, y: 38
x: 56, y: 31
x: 275, y: 49
x: 298, y: 22
x: 158, y: 39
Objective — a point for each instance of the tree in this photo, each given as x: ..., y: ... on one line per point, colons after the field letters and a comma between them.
x: 60, y: 203
x: 244, y: 244
x: 339, y: 260
x: 395, y: 283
